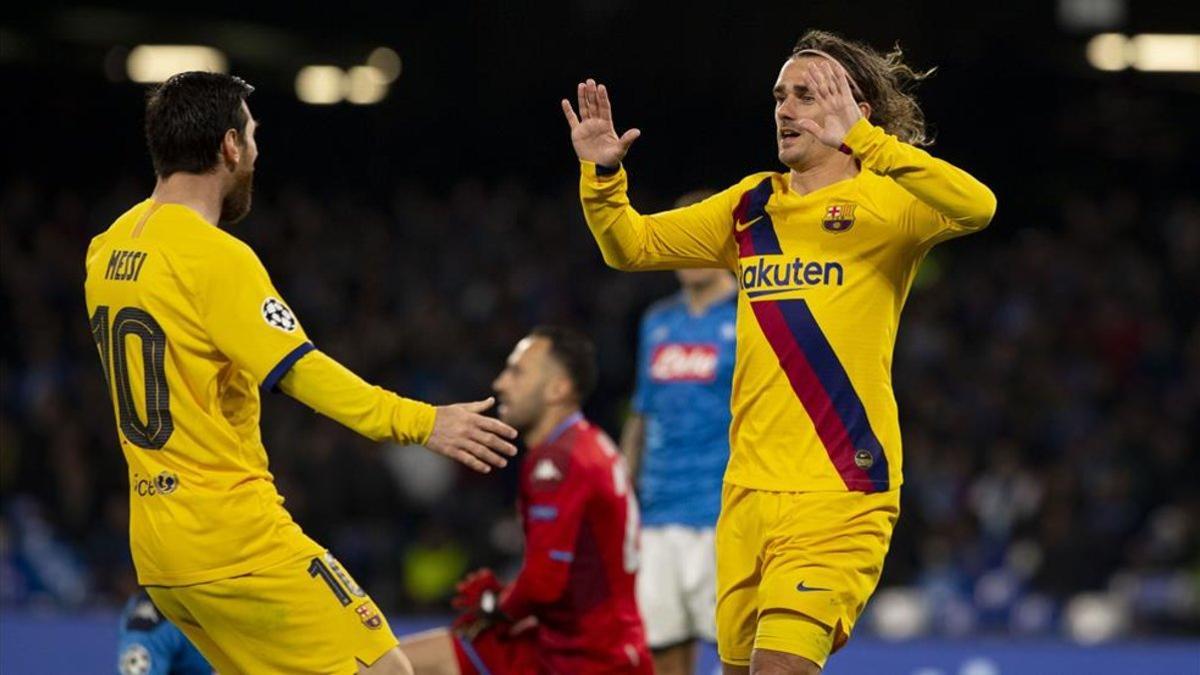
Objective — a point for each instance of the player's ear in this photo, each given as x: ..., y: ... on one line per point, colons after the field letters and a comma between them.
x: 865, y: 108
x: 559, y: 389
x: 231, y: 149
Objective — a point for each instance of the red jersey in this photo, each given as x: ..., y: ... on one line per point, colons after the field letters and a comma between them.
x: 581, y: 555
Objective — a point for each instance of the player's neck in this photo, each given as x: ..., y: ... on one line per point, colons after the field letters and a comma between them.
x: 199, y: 192
x: 826, y: 171
x: 555, y: 415
x: 700, y: 298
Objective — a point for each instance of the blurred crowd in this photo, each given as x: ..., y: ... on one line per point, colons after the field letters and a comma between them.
x: 1048, y: 375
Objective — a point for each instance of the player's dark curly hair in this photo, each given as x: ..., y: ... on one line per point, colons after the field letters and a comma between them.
x: 885, y: 81
x: 187, y: 117
x: 575, y: 353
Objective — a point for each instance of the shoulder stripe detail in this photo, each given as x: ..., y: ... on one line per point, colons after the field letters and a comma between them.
x: 753, y: 229
x: 137, y: 229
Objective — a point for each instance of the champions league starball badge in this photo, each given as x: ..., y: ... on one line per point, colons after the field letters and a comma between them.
x: 278, y: 315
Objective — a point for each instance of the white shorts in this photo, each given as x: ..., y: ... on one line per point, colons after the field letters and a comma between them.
x: 677, y: 585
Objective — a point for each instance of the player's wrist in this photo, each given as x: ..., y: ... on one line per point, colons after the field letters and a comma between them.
x: 856, y: 136
x: 600, y: 172
x: 413, y: 421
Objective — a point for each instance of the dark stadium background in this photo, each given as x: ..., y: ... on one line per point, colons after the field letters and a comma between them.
x: 1048, y: 369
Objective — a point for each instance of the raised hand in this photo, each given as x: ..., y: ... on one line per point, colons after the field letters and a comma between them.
x: 463, y: 433
x: 592, y: 132
x: 839, y: 111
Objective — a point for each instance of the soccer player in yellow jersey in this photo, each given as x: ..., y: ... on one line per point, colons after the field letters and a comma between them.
x: 824, y: 255
x: 189, y: 329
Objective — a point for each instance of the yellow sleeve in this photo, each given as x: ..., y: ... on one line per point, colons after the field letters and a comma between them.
x: 699, y: 235
x: 333, y: 390
x: 246, y: 316
x: 949, y: 201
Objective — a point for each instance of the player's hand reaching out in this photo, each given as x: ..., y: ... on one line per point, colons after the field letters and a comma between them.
x: 463, y: 433
x: 837, y: 109
x: 592, y: 132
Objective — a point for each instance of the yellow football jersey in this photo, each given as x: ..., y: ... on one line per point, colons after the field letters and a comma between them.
x: 189, y: 326
x: 823, y: 278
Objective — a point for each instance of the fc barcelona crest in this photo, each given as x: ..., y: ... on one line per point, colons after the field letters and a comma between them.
x: 838, y: 218
x: 369, y: 615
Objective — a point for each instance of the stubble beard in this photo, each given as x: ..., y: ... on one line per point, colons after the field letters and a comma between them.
x: 236, y: 204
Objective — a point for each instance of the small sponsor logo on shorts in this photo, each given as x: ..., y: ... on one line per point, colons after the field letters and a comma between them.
x: 864, y: 459
x: 808, y: 589
x: 369, y: 615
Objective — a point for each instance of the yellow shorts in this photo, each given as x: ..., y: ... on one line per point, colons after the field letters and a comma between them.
x: 795, y: 569
x: 306, y: 615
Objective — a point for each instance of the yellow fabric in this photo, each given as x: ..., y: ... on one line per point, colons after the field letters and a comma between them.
x: 770, y: 545
x: 793, y: 633
x: 190, y: 327
x: 333, y: 390
x: 853, y: 280
x: 281, y: 619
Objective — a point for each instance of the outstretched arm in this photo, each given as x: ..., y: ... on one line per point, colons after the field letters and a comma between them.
x: 250, y: 323
x: 699, y: 235
x: 460, y: 431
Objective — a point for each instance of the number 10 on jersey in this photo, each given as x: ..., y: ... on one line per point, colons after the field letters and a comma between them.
x: 111, y: 342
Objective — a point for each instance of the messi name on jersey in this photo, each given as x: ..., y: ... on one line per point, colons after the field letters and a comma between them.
x: 763, y: 275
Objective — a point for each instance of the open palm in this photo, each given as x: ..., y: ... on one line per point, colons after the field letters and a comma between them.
x: 832, y: 89
x: 592, y: 132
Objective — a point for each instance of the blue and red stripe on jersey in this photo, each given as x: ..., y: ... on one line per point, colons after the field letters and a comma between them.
x: 759, y: 238
x: 816, y: 375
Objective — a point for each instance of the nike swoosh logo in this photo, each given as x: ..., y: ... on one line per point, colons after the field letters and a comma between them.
x: 806, y: 589
x: 741, y: 226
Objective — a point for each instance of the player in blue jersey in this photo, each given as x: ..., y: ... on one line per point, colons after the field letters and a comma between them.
x: 151, y: 645
x: 676, y: 442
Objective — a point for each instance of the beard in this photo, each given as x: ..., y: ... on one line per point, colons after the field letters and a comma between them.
x: 236, y: 203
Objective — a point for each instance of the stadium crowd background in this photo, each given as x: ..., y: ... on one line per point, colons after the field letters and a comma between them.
x: 1047, y: 370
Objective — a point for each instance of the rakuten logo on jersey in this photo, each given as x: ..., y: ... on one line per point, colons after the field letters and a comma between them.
x: 674, y: 362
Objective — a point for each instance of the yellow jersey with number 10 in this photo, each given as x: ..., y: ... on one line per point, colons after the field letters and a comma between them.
x: 189, y: 328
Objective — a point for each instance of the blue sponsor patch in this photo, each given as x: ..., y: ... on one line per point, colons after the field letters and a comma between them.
x: 562, y: 556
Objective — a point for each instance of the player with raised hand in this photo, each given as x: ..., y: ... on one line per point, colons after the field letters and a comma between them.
x: 189, y: 328
x: 824, y: 255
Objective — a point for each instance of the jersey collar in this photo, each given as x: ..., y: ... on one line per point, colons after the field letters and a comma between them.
x: 572, y: 419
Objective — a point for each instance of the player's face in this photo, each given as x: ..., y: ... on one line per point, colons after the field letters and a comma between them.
x: 521, y: 386
x: 689, y: 278
x: 794, y: 102
x: 236, y: 203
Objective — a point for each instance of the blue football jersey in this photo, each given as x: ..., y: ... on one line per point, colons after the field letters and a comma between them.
x: 685, y: 370
x: 151, y: 645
